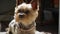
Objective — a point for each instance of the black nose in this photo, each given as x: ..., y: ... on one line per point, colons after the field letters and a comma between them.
x: 21, y: 16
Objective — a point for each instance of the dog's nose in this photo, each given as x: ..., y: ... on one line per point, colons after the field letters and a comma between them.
x: 21, y: 15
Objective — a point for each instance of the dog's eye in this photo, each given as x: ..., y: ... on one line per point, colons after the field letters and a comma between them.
x: 19, y: 11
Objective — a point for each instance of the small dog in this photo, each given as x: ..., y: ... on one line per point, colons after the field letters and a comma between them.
x: 24, y: 18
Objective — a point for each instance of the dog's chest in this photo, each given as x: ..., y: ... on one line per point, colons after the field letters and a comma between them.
x: 16, y: 29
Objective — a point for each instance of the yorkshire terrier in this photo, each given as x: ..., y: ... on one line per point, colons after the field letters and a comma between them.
x: 24, y: 18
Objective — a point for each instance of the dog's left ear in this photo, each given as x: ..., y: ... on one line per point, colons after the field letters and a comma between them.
x: 35, y: 4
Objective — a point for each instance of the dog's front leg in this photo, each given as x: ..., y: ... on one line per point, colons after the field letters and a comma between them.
x: 9, y: 30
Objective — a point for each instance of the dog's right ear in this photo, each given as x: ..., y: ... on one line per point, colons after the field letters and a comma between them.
x: 35, y: 4
x: 18, y: 2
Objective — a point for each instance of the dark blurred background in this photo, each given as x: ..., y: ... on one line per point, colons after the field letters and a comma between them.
x: 47, y: 20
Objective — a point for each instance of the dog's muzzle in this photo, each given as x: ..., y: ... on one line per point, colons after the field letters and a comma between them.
x: 21, y: 15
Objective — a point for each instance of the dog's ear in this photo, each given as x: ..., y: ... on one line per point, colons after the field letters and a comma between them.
x: 35, y: 4
x: 18, y: 2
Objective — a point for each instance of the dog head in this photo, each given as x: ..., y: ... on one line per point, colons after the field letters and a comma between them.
x: 26, y: 13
